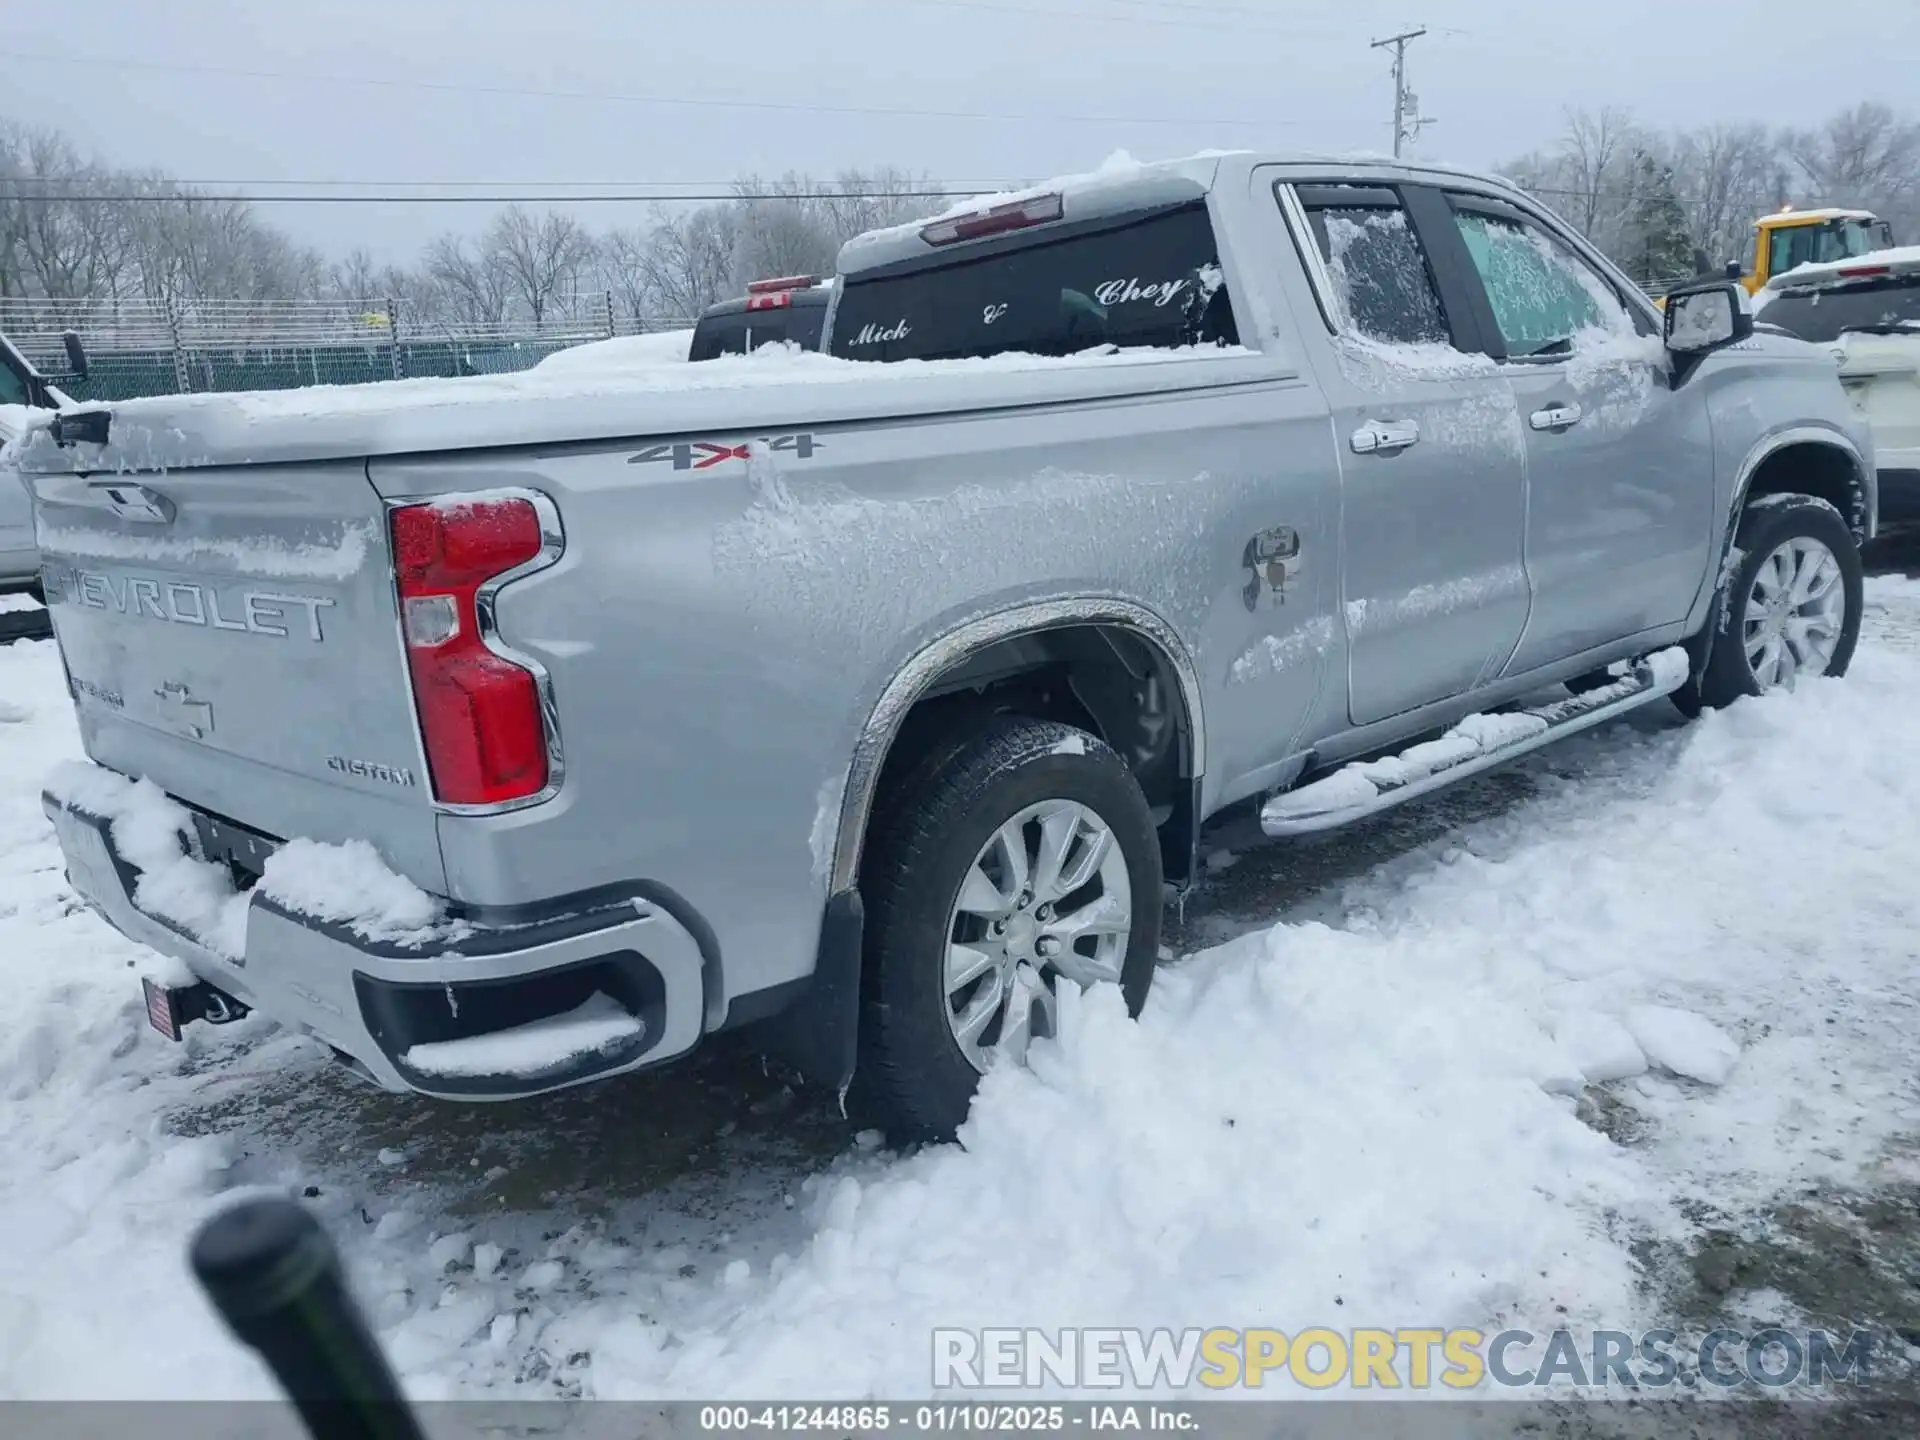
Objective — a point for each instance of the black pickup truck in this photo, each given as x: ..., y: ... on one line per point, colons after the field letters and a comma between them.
x: 792, y: 307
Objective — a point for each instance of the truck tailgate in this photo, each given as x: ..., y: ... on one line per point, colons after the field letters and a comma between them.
x: 232, y: 635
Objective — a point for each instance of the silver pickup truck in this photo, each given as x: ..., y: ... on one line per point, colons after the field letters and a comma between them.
x: 507, y: 734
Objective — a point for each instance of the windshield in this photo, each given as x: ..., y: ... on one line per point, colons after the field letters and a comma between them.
x: 1827, y: 243
x: 1146, y: 280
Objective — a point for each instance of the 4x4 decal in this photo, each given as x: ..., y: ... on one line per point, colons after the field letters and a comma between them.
x: 705, y: 454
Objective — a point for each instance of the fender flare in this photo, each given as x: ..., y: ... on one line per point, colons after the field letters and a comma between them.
x: 1700, y: 644
x: 937, y: 656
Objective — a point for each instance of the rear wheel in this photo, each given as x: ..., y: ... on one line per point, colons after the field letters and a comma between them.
x: 1791, y: 611
x: 1014, y: 863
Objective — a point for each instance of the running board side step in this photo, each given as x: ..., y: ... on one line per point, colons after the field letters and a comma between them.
x: 1477, y: 743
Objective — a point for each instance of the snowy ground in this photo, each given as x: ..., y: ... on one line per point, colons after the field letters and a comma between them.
x: 1371, y: 1113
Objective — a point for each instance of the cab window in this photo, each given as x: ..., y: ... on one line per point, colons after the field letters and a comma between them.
x: 1542, y: 294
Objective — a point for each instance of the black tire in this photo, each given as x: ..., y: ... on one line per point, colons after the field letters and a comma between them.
x: 926, y: 836
x: 1728, y: 675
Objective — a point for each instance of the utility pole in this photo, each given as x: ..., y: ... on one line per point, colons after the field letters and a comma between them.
x: 1406, y: 121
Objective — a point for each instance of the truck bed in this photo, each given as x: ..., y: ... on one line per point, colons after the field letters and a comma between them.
x: 751, y: 393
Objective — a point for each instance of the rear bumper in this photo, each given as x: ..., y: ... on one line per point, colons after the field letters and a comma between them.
x: 377, y: 1005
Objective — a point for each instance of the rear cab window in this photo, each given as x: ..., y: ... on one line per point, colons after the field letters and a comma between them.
x: 1151, y: 279
x: 737, y: 332
x: 1890, y: 304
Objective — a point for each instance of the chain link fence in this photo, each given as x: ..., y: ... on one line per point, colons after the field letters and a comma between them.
x: 142, y: 346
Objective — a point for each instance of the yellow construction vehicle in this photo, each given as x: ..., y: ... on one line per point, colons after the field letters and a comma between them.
x: 1790, y: 238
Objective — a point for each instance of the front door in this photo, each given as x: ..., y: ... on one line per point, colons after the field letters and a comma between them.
x: 1433, y: 478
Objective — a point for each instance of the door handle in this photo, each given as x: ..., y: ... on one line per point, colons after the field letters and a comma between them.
x: 1382, y: 437
x: 1556, y: 417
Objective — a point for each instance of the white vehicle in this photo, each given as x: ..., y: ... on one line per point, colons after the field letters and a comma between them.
x: 1868, y: 310
x: 23, y: 390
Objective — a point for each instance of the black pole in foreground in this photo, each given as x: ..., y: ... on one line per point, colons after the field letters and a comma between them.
x: 275, y: 1278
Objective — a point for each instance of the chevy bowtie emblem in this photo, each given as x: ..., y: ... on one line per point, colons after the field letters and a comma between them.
x: 181, y: 712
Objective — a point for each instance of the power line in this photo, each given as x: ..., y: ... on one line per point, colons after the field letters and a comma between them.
x: 1125, y: 18
x: 447, y: 87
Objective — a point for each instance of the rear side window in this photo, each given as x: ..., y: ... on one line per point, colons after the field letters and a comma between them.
x: 740, y: 331
x: 1822, y: 314
x: 13, y: 387
x: 717, y: 336
x: 1383, y: 286
x: 1153, y: 280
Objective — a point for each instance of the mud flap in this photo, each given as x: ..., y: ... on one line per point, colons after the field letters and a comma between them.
x: 819, y: 1033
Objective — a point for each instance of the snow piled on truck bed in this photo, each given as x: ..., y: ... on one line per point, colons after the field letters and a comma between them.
x: 1362, y: 1115
x: 777, y: 385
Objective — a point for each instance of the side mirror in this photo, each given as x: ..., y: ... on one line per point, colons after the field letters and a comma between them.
x: 76, y: 354
x: 1705, y: 317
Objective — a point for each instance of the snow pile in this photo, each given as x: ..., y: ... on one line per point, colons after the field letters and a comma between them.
x: 664, y: 347
x: 348, y: 884
x: 532, y: 1049
x: 16, y: 604
x: 150, y: 832
x: 1359, y: 1116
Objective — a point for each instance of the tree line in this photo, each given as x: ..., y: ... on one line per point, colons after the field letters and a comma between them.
x: 1651, y: 198
x: 74, y: 227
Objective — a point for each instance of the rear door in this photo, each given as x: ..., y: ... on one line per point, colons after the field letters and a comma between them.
x: 232, y: 635
x: 1620, y: 465
x: 1433, y: 485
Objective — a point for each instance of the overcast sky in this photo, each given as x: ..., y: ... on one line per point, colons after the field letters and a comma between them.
x: 1028, y: 87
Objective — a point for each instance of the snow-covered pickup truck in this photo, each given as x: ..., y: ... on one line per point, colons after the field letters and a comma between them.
x: 510, y: 733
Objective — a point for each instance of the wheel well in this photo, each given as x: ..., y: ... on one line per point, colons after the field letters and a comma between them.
x: 1104, y: 678
x: 1811, y: 468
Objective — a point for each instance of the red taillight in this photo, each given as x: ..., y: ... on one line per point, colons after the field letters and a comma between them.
x: 1862, y: 272
x: 480, y: 719
x: 1014, y: 215
x: 776, y: 301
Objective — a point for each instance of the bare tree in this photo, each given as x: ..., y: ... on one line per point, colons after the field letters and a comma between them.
x: 542, y: 257
x: 1868, y: 156
x: 689, y: 261
x: 1725, y: 175
x: 473, y: 286
x: 623, y: 256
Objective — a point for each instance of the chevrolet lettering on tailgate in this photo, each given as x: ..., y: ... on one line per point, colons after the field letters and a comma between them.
x: 181, y: 602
